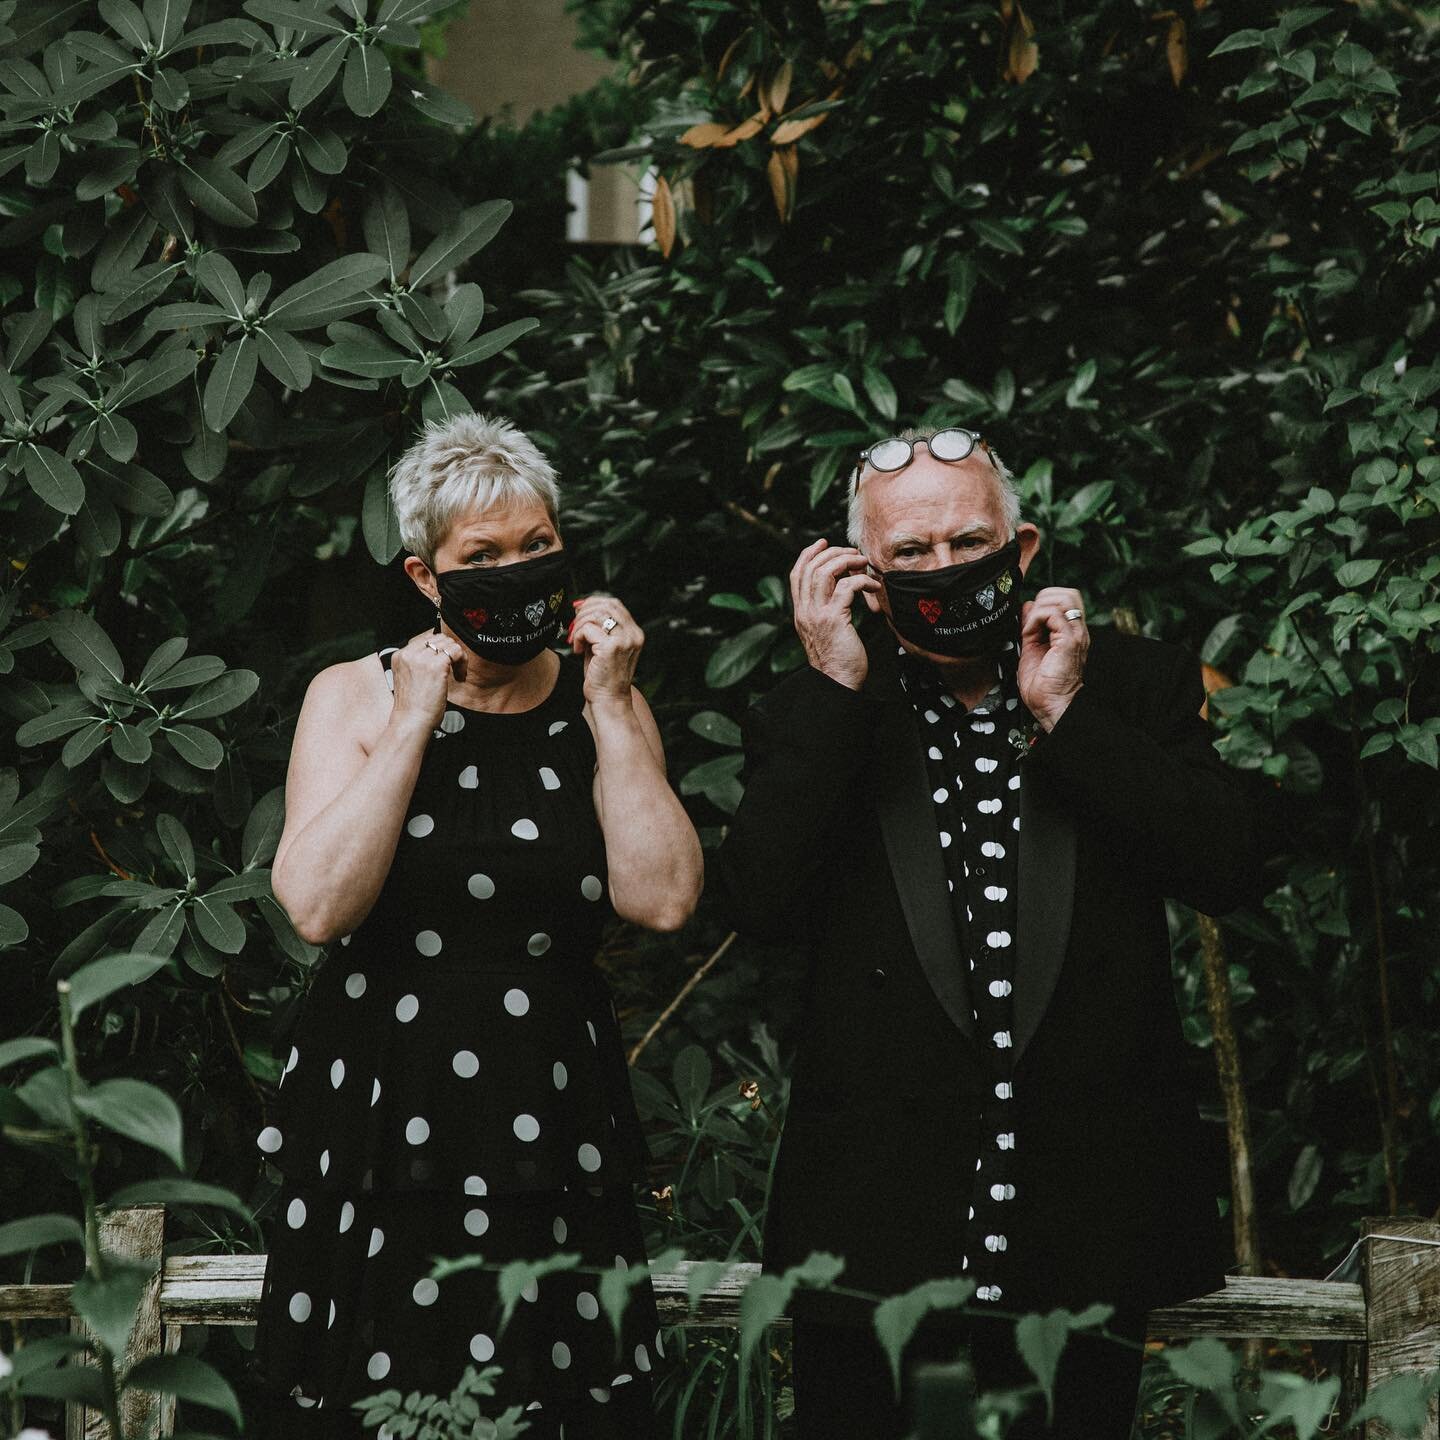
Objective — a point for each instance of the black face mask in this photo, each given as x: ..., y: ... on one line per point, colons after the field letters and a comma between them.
x: 959, y: 610
x: 506, y: 613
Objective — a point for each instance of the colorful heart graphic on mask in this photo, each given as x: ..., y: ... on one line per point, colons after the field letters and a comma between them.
x: 931, y: 610
x: 477, y: 617
x: 986, y: 597
x: 535, y: 612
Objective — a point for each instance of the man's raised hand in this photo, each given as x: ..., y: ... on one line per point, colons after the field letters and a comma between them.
x: 823, y: 586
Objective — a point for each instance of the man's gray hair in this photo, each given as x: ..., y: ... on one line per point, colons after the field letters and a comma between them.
x: 469, y: 462
x: 1009, y: 495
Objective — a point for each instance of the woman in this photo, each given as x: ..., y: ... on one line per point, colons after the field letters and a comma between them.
x: 463, y: 815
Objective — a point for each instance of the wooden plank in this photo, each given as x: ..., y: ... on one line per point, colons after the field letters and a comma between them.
x: 135, y: 1233
x: 1401, y: 1269
x: 225, y: 1290
x: 1268, y: 1307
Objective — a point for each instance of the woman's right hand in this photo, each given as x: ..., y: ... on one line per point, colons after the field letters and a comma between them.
x: 422, y: 670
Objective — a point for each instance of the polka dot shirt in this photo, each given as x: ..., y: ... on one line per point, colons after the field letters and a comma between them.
x: 974, y: 773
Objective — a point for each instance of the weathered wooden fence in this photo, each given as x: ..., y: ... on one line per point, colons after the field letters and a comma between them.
x: 1387, y: 1324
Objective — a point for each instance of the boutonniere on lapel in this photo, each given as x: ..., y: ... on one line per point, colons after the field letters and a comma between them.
x: 1022, y: 737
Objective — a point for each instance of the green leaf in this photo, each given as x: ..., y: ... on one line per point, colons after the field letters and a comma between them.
x: 378, y: 521
x: 733, y: 659
x: 1354, y: 573
x: 195, y: 746
x: 366, y: 86
x: 137, y: 1111
x: 263, y: 828
x: 717, y: 727
x: 221, y: 279
x: 155, y: 376
x: 175, y: 841
x: 27, y: 1047
x: 284, y: 357
x: 77, y: 1384
x: 108, y: 1306
x: 491, y: 343
x: 19, y: 1237
x: 387, y: 228
x: 473, y: 230
x: 221, y: 695
x: 219, y: 192
x: 166, y: 19
x: 231, y: 380
x: 187, y: 1377
x: 102, y: 978
x: 125, y: 19
x: 1041, y: 1340
x: 896, y: 1318
x: 219, y: 925
x: 54, y: 479
x: 1240, y: 40
x: 178, y: 1192
x: 319, y: 69
x: 82, y: 641
x: 329, y: 294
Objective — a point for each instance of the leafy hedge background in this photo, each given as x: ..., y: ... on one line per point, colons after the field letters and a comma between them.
x: 1178, y: 265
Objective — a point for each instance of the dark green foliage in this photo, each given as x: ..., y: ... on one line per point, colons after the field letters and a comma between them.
x: 1182, y: 274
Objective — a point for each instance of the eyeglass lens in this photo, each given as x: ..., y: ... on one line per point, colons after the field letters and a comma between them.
x: 951, y: 444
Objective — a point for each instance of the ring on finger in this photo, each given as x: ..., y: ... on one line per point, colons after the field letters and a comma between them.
x: 1073, y: 614
x: 609, y: 623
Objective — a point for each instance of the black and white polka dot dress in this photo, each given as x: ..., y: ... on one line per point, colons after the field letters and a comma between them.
x: 457, y: 1086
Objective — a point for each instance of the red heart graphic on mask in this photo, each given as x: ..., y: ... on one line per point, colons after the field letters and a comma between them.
x: 930, y: 609
x: 477, y: 617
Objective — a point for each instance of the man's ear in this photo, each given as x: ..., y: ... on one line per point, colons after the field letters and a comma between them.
x: 1029, y: 537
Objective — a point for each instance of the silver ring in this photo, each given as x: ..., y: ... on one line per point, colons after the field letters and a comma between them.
x: 608, y: 623
x: 1073, y: 614
x: 429, y: 646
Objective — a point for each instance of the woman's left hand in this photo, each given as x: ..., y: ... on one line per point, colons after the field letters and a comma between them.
x: 610, y: 656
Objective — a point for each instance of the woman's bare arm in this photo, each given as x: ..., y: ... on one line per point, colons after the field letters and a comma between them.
x: 651, y: 849
x: 344, y: 805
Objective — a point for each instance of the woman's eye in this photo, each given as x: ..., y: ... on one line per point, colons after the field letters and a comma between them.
x: 541, y: 544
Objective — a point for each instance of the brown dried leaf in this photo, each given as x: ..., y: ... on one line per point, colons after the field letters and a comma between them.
x: 1022, y: 53
x: 789, y: 131
x: 781, y: 170
x: 1177, y: 50
x: 778, y: 91
x: 745, y: 130
x: 729, y: 54
x: 700, y: 136
x: 663, y: 211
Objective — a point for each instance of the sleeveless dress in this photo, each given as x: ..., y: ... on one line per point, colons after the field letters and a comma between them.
x: 457, y: 1086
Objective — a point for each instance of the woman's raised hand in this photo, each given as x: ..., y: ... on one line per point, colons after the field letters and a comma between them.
x: 610, y: 655
x: 423, y: 669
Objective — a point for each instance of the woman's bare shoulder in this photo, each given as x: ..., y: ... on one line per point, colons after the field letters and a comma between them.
x: 351, y: 698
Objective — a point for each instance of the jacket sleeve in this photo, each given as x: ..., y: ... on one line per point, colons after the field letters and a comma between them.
x: 1202, y: 829
x: 806, y: 744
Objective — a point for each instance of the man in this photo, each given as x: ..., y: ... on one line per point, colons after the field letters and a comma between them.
x: 970, y: 809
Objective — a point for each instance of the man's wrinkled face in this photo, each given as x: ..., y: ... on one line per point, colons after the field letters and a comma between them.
x: 933, y: 514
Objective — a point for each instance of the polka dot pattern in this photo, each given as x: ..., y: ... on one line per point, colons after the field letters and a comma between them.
x: 969, y: 757
x: 455, y: 1038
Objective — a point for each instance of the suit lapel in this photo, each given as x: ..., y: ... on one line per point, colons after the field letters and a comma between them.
x: 1045, y: 895
x: 907, y: 822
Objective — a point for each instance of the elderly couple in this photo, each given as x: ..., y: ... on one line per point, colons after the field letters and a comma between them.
x: 968, y: 808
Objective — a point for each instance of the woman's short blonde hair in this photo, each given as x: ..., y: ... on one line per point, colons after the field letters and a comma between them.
x: 470, y: 462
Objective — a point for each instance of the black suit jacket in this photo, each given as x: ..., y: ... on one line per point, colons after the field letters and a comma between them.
x: 835, y: 846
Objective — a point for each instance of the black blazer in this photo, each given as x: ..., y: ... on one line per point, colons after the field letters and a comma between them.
x: 835, y: 846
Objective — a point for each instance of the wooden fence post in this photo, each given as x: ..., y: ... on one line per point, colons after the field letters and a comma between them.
x: 1402, y: 1305
x: 136, y: 1233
